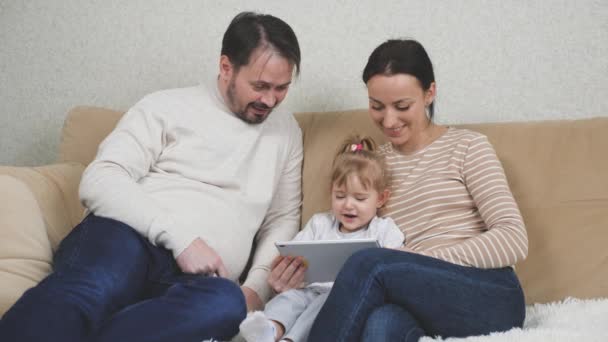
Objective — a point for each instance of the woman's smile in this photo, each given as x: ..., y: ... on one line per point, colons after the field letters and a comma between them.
x: 394, y: 132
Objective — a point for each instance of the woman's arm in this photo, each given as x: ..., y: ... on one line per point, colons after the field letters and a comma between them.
x: 505, y: 242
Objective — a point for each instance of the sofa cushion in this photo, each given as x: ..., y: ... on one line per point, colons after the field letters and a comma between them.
x: 83, y: 130
x: 55, y: 187
x: 25, y: 250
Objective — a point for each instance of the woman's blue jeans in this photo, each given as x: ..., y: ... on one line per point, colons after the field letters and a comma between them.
x: 110, y: 284
x: 388, y: 295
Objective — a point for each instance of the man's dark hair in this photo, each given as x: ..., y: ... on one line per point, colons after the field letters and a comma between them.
x: 249, y: 30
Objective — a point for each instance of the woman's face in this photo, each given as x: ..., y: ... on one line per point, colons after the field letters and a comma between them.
x: 397, y: 105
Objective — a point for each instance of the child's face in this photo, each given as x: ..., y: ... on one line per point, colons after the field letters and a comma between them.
x: 354, y: 205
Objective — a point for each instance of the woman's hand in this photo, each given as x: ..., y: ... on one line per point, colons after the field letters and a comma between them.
x: 286, y: 273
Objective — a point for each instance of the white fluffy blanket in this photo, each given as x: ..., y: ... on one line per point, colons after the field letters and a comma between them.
x: 571, y: 320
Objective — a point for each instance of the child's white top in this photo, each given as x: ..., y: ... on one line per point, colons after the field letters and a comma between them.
x: 325, y: 226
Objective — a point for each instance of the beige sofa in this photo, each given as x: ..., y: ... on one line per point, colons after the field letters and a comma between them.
x: 558, y: 171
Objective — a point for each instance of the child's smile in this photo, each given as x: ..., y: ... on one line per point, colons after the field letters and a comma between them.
x: 354, y: 205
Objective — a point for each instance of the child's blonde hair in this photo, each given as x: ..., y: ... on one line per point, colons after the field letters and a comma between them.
x: 357, y: 156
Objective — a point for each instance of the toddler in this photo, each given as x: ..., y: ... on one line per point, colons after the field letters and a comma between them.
x: 359, y: 187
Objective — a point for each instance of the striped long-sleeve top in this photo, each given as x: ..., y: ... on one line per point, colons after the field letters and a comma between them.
x: 453, y: 202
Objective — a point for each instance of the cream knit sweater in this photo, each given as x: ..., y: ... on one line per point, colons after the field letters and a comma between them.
x: 180, y: 165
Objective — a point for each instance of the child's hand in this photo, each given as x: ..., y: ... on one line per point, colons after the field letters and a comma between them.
x: 287, y: 273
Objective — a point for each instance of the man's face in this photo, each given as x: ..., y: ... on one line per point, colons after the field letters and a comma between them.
x: 255, y: 89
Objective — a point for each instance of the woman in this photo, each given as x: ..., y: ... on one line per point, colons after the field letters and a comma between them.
x: 463, y: 229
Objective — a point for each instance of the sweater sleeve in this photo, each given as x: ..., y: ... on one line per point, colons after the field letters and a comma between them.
x: 109, y: 186
x: 505, y: 242
x: 282, y: 219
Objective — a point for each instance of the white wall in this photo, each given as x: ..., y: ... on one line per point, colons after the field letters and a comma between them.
x: 494, y: 60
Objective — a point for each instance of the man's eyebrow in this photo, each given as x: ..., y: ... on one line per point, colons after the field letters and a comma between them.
x: 267, y: 84
x: 258, y: 82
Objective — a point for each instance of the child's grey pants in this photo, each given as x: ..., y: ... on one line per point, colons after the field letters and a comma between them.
x: 296, y: 310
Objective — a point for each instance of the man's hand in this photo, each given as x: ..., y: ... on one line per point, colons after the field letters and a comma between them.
x: 199, y: 258
x: 252, y: 299
x: 287, y: 273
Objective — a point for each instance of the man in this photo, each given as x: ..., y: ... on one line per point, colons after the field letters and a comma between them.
x: 176, y: 196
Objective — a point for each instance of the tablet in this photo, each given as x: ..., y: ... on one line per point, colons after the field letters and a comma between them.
x: 324, y: 257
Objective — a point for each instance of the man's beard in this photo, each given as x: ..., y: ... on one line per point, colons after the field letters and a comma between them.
x: 242, y: 113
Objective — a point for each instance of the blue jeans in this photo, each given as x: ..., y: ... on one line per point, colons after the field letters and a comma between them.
x: 388, y: 295
x: 110, y: 284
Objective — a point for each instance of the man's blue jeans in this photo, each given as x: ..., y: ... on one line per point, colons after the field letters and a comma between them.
x: 388, y: 295
x: 110, y: 284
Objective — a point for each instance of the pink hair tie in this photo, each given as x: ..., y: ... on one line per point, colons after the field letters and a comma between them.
x: 356, y: 147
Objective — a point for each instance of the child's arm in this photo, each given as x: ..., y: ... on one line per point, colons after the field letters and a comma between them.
x: 314, y: 228
x: 307, y: 233
x: 390, y: 235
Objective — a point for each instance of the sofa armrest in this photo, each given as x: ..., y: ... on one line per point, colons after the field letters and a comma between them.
x: 55, y: 188
x: 25, y: 250
x: 38, y: 207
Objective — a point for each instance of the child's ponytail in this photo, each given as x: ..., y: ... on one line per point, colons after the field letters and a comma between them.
x: 356, y: 143
x: 358, y: 155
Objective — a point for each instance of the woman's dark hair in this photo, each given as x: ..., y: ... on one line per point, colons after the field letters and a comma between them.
x: 401, y: 56
x: 249, y: 30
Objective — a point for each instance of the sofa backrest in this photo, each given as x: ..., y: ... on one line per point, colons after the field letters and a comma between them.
x: 83, y: 130
x: 557, y: 170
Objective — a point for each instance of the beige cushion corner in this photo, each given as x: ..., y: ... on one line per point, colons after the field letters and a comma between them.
x: 25, y: 250
x: 55, y: 188
x: 83, y: 130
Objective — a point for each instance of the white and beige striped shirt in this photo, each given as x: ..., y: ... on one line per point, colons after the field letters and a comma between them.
x: 452, y: 201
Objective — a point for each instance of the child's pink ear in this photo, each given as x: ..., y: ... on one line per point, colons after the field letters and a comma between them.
x: 383, y: 197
